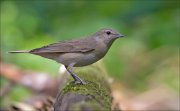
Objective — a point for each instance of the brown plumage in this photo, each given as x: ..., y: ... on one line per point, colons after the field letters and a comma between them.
x: 81, y: 45
x: 80, y: 52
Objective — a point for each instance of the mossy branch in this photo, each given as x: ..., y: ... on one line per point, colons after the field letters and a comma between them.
x: 94, y: 96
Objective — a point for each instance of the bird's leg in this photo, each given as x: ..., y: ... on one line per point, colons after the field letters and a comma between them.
x: 77, y: 80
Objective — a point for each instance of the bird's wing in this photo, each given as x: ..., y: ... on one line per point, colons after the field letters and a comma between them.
x: 81, y: 45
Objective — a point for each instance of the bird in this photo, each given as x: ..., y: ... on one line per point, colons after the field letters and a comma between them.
x: 78, y: 52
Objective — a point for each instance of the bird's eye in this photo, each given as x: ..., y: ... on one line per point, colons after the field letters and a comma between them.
x: 108, y: 32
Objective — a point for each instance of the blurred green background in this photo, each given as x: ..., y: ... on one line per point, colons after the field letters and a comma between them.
x: 147, y: 56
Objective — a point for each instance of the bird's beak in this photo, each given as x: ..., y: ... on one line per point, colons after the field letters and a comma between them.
x: 119, y: 35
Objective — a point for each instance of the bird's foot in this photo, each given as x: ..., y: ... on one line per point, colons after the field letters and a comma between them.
x: 79, y: 82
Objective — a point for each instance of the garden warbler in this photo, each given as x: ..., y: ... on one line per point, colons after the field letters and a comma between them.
x: 79, y: 52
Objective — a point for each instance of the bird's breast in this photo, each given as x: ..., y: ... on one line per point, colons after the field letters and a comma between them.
x: 101, y: 50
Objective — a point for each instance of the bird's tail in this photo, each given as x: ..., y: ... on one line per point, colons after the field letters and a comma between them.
x: 21, y: 51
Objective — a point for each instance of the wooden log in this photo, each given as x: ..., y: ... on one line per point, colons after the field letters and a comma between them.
x: 94, y: 96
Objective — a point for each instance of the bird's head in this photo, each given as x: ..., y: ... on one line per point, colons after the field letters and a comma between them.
x: 107, y: 35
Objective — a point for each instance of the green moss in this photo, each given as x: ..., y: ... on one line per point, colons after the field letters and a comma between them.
x: 96, y: 87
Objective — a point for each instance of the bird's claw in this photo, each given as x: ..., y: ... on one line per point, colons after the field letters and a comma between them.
x: 79, y: 82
